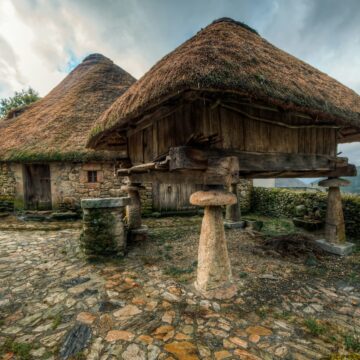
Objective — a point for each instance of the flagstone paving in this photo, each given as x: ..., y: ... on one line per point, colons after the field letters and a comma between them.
x: 56, y: 305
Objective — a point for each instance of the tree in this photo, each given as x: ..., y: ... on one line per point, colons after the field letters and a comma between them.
x: 19, y: 100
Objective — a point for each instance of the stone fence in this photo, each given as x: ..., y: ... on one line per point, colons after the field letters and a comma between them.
x: 282, y: 203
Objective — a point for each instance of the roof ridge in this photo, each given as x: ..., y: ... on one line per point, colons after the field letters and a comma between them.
x: 235, y: 22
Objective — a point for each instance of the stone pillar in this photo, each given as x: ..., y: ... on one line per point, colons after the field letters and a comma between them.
x: 335, y: 237
x: 137, y: 231
x: 233, y: 212
x: 214, y: 279
x: 103, y: 228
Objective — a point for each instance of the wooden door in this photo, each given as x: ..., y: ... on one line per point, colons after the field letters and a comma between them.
x: 37, y: 187
x: 173, y: 197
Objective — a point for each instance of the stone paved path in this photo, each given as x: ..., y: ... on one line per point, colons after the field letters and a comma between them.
x: 55, y: 305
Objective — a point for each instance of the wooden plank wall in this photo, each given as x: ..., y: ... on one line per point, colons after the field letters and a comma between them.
x: 235, y: 131
x: 173, y: 197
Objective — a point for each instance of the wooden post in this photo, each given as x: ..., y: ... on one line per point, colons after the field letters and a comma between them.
x: 214, y: 278
x: 335, y: 237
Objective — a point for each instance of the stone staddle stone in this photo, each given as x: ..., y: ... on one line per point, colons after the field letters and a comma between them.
x: 133, y: 210
x: 334, y: 182
x: 214, y: 278
x: 213, y: 198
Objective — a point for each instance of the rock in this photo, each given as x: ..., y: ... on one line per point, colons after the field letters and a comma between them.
x: 76, y: 340
x: 245, y: 355
x: 127, y: 311
x: 133, y: 352
x: 255, y: 225
x: 300, y: 210
x: 239, y: 342
x: 115, y: 335
x: 108, y: 306
x: 86, y: 318
x: 170, y: 297
x: 258, y: 330
x: 164, y: 332
x: 182, y: 350
x: 223, y: 354
x: 74, y: 281
x: 153, y: 352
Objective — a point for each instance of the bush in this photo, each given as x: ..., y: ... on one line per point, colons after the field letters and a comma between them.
x: 282, y: 203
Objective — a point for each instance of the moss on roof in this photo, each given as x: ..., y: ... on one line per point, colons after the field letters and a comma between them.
x: 230, y: 56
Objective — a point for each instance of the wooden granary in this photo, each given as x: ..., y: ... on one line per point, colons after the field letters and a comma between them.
x: 227, y: 105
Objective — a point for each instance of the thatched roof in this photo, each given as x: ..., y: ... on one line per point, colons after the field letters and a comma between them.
x: 57, y: 126
x: 228, y: 56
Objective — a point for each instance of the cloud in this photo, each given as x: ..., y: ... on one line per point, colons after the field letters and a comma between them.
x: 41, y: 40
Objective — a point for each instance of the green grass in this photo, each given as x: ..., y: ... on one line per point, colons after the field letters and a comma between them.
x: 56, y: 321
x: 273, y: 226
x: 314, y: 327
x: 352, y: 342
x: 21, y: 350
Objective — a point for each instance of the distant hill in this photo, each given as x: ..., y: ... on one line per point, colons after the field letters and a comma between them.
x: 353, y: 188
x: 289, y: 183
x: 355, y: 183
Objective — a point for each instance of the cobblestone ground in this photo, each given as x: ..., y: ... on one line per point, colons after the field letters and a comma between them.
x: 55, y: 305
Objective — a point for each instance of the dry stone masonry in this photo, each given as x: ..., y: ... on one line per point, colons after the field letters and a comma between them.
x: 103, y: 228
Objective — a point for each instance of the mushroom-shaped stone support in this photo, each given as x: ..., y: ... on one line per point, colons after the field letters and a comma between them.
x: 214, y: 279
x: 137, y: 231
x: 133, y: 211
x: 335, y: 237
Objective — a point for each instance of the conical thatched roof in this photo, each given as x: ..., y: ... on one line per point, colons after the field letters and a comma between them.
x: 229, y: 56
x: 57, y: 126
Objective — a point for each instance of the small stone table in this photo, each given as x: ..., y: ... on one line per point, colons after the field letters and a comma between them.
x: 103, y: 228
x: 214, y: 278
x: 335, y: 237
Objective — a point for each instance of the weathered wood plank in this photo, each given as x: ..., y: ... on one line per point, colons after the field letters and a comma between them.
x: 198, y: 159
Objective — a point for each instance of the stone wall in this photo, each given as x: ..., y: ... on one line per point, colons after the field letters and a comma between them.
x: 282, y: 203
x: 7, y: 187
x: 69, y: 183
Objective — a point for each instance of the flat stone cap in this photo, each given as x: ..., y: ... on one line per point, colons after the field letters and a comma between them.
x: 334, y: 182
x: 213, y: 198
x: 132, y: 187
x: 105, y: 203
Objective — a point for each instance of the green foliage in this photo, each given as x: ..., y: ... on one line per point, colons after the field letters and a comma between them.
x: 352, y: 343
x: 282, y: 203
x: 314, y: 327
x: 21, y: 350
x: 20, y: 99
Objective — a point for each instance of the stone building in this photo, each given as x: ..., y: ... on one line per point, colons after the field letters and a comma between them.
x: 43, y: 160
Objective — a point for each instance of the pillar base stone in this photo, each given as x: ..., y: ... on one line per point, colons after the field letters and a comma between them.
x: 234, y: 224
x: 139, y: 234
x: 337, y: 249
x: 220, y: 293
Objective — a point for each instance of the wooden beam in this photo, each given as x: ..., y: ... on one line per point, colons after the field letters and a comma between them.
x: 349, y: 170
x: 185, y: 157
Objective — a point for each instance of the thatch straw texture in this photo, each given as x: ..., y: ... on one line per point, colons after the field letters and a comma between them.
x: 228, y: 56
x: 56, y: 127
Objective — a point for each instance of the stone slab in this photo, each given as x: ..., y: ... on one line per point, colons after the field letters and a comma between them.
x: 337, y: 249
x: 105, y: 203
x: 234, y: 224
x: 139, y: 234
x: 335, y: 182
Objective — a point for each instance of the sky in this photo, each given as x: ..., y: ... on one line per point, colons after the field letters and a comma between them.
x: 42, y: 40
